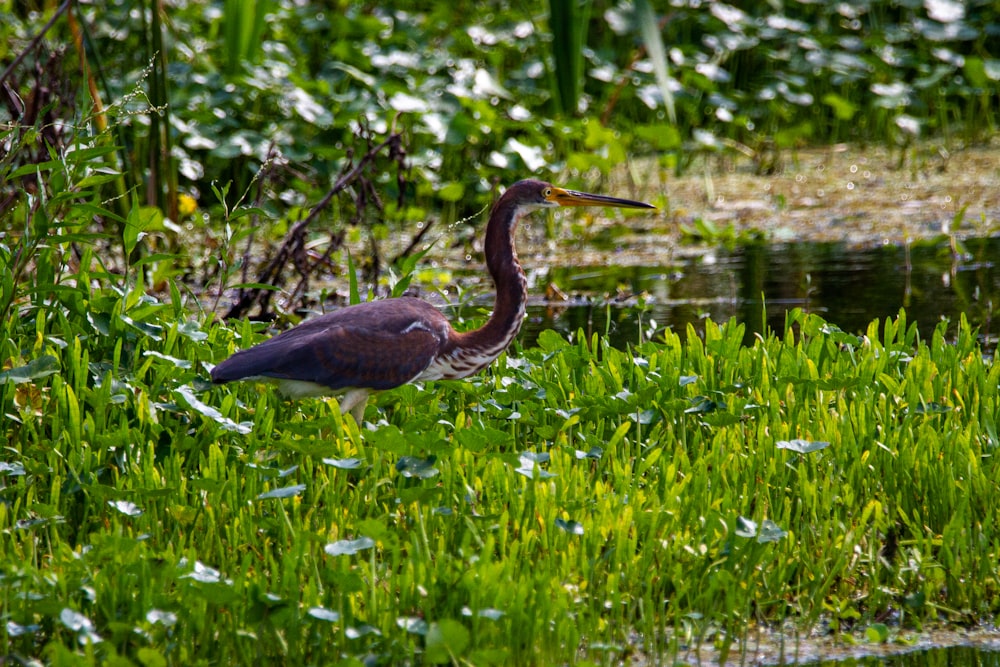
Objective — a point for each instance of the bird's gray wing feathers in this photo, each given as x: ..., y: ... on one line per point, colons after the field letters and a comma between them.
x: 373, y: 348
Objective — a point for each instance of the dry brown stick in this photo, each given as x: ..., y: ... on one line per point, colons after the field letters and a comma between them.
x: 34, y: 42
x: 295, y: 238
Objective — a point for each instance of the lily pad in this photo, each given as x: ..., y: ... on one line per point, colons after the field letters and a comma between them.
x: 349, y: 547
x: 344, y: 464
x: 283, y: 492
x: 324, y: 614
x: 35, y: 369
x: 413, y: 466
x: 770, y: 532
x: 126, y: 507
x: 802, y: 446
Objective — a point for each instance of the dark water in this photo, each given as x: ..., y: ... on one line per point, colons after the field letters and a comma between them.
x: 954, y: 656
x: 758, y: 283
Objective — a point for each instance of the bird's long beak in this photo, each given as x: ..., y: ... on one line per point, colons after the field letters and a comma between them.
x: 563, y: 197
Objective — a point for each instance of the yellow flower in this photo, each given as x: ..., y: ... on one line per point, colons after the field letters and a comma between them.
x: 186, y: 205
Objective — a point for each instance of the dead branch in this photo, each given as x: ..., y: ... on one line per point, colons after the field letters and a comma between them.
x: 293, y: 248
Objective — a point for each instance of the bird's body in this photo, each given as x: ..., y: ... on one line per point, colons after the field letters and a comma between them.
x: 387, y: 343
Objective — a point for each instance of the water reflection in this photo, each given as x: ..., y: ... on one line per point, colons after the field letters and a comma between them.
x: 847, y: 286
x: 952, y: 656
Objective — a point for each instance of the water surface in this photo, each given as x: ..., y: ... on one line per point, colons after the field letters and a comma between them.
x: 952, y: 656
x: 758, y: 283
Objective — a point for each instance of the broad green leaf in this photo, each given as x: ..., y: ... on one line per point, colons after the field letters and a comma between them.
x: 179, y: 363
x: 877, y: 633
x: 746, y: 527
x: 412, y: 466
x: 283, y: 492
x: 35, y: 369
x: 324, y: 614
x: 344, y: 464
x: 802, y: 446
x: 349, y: 547
x: 445, y: 642
x: 770, y: 532
x: 187, y: 395
x: 126, y: 507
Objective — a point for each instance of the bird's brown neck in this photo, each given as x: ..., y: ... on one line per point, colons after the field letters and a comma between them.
x: 509, y: 279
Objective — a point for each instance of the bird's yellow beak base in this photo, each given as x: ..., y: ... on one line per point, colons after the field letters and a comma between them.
x: 562, y: 197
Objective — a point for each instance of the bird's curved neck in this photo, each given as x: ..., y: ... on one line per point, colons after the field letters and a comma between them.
x: 508, y: 277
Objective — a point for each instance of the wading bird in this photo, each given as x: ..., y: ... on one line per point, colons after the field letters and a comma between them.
x: 384, y: 344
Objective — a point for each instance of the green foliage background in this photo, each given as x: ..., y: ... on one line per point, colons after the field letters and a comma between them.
x: 577, y: 503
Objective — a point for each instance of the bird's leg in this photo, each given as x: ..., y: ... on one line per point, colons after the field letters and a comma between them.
x: 355, y: 401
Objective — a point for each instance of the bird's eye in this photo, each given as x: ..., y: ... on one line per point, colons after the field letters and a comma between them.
x: 547, y: 192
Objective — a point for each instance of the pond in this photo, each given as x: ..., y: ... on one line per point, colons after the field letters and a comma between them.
x: 951, y: 656
x: 976, y: 647
x: 845, y: 233
x: 758, y: 283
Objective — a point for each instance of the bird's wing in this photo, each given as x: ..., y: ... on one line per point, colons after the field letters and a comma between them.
x: 368, y: 346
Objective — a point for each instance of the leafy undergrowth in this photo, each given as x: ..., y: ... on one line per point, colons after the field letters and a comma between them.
x: 575, y: 503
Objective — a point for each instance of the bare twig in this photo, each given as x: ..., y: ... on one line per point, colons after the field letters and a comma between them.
x: 293, y: 248
x: 34, y: 41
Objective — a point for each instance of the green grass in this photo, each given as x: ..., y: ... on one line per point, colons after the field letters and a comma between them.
x: 573, y: 504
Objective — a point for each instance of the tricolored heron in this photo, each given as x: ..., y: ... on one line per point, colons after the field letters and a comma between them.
x: 384, y: 344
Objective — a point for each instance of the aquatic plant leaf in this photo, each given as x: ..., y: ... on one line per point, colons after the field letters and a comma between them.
x: 703, y: 405
x: 186, y: 393
x: 126, y: 507
x: 150, y: 657
x: 877, y: 633
x: 931, y: 408
x: 205, y: 574
x: 653, y: 41
x: 488, y: 612
x: 179, y: 363
x: 770, y: 532
x: 35, y: 369
x: 412, y: 624
x: 154, y: 331
x: 532, y: 156
x: 746, y: 527
x: 528, y: 463
x: 324, y: 614
x: 80, y: 624
x: 361, y: 631
x: 164, y: 618
x: 344, y: 464
x: 139, y: 219
x: 283, y: 492
x: 594, y: 452
x: 192, y: 331
x: 802, y: 446
x: 842, y: 107
x: 414, y: 466
x: 349, y: 547
x: 570, y: 526
x: 550, y: 341
x: 644, y: 417
x: 16, y: 630
x: 14, y: 469
x: 445, y: 638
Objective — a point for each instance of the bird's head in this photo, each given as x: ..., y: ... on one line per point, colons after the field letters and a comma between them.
x: 531, y: 194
